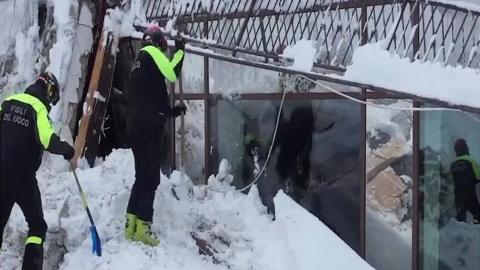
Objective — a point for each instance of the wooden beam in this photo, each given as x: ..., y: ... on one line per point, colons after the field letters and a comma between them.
x: 101, y: 100
x: 89, y: 99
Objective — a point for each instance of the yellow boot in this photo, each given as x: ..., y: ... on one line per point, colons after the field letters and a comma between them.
x: 130, y: 226
x: 144, y: 233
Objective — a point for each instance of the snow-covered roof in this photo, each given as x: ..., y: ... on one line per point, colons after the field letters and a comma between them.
x: 373, y: 65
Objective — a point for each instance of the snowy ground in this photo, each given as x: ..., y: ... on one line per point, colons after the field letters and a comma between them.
x: 236, y: 224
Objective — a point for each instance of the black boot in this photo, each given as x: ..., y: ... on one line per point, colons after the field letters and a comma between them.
x: 33, y: 257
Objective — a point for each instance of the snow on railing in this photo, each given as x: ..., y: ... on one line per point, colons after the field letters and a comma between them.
x: 435, y: 30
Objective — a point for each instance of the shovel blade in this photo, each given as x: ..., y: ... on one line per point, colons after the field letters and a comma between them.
x: 96, y: 244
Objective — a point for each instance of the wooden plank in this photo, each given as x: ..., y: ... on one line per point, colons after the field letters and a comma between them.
x: 205, y: 248
x: 101, y: 100
x: 89, y: 99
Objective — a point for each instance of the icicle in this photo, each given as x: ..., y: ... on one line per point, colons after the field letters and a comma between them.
x: 473, y: 52
x: 430, y: 44
x: 449, y: 52
x: 410, y: 39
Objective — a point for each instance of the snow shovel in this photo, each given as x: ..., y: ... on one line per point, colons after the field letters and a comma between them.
x: 96, y: 244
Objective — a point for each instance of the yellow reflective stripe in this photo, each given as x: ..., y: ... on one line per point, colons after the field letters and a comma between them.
x: 34, y: 240
x: 44, y: 126
x: 177, y: 57
x: 162, y: 62
x: 476, y: 168
x: 84, y: 199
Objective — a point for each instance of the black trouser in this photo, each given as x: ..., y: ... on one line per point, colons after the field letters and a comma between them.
x: 293, y: 165
x: 23, y: 190
x: 147, y: 178
x: 467, y: 202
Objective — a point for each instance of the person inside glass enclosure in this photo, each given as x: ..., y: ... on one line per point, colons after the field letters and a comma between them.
x: 255, y: 147
x: 294, y: 136
x: 295, y: 144
x: 466, y: 175
x: 148, y: 109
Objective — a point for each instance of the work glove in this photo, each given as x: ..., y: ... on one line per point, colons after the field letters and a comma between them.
x: 68, y: 152
x: 179, y: 109
x: 179, y: 43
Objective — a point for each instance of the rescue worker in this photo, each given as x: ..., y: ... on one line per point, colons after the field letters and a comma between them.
x: 148, y: 110
x: 295, y: 143
x: 466, y: 175
x: 25, y: 132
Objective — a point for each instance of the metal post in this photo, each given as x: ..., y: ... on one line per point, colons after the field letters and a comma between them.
x: 416, y: 182
x: 182, y: 131
x: 206, y: 93
x: 363, y: 173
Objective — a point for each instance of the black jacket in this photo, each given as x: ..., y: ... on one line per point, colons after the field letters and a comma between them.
x: 26, y: 130
x: 466, y: 174
x: 148, y: 104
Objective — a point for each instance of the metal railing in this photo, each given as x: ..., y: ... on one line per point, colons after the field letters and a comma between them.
x: 424, y: 31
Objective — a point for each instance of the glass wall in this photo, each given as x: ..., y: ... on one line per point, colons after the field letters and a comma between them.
x: 315, y: 158
x: 192, y: 72
x: 448, y: 204
x: 230, y: 79
x: 389, y: 204
x: 194, y: 136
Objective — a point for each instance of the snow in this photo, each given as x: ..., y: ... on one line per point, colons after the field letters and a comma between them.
x: 304, y: 232
x: 25, y: 42
x: 303, y: 53
x: 457, y: 241
x: 121, y: 21
x: 236, y: 224
x: 373, y: 65
x: 61, y: 12
x: 61, y: 52
x: 458, y: 3
x: 18, y: 35
x: 82, y: 47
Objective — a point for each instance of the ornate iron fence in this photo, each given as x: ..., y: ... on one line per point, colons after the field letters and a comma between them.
x: 425, y: 31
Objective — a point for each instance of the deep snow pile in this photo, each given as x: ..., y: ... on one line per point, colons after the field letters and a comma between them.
x: 236, y: 224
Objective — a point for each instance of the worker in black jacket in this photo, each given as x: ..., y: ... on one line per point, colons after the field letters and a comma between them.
x: 148, y: 109
x: 466, y: 175
x: 25, y: 132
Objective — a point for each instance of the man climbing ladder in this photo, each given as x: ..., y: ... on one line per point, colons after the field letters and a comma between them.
x: 25, y: 131
x: 148, y: 110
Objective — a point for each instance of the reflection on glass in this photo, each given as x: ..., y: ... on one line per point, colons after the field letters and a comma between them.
x: 449, y: 150
x: 315, y: 157
x: 466, y: 174
x: 389, y: 186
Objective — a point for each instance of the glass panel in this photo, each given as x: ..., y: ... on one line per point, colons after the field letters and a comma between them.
x: 449, y: 150
x: 230, y: 79
x: 192, y: 74
x: 389, y: 186
x: 315, y: 157
x: 194, y: 153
